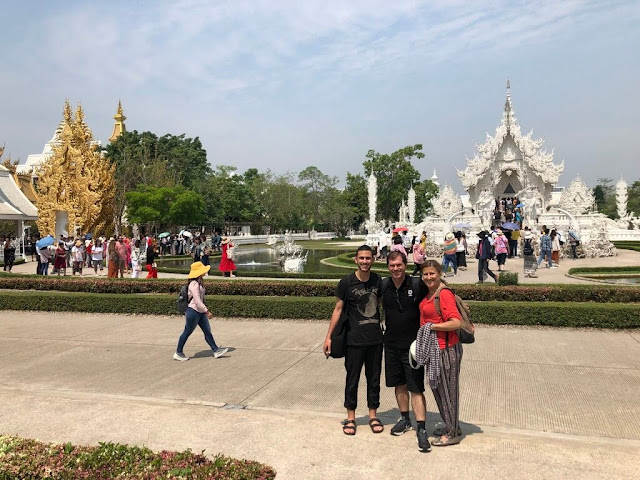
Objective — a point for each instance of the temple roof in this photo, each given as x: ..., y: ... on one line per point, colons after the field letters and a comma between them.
x: 14, y: 205
x: 537, y: 159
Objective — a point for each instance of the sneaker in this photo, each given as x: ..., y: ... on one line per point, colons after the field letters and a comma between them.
x: 402, y: 426
x: 220, y: 352
x: 181, y: 357
x: 423, y: 441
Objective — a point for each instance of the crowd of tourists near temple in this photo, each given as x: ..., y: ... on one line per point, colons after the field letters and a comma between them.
x: 118, y: 255
x: 420, y: 343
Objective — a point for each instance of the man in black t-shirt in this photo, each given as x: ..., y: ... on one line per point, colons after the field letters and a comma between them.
x: 359, y: 293
x: 401, y: 296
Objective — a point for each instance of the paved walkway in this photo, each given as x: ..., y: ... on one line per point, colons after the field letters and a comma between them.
x: 545, y: 275
x: 536, y: 402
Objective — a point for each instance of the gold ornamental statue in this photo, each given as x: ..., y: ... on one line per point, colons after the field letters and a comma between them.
x: 76, y: 184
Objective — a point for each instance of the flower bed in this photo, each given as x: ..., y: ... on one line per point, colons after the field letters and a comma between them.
x: 31, y: 459
x: 557, y: 314
x: 487, y: 292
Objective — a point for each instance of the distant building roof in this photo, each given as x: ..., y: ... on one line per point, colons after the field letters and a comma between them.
x: 14, y: 205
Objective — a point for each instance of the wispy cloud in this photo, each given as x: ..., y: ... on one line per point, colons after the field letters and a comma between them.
x: 221, y: 48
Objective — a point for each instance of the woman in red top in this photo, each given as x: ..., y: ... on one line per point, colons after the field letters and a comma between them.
x: 445, y: 324
x: 60, y: 262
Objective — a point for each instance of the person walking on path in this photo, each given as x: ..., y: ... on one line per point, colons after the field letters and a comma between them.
x: 501, y: 245
x: 227, y: 267
x: 197, y: 313
x: 136, y: 260
x: 9, y: 253
x: 152, y: 270
x: 401, y: 296
x: 483, y: 254
x: 77, y: 257
x: 450, y: 248
x: 398, y: 245
x: 555, y: 248
x: 60, y: 261
x: 530, y: 264
x: 461, y: 250
x: 545, y: 248
x: 45, y: 258
x: 97, y: 256
x: 359, y: 293
x: 112, y: 259
x: 445, y: 323
x: 419, y: 254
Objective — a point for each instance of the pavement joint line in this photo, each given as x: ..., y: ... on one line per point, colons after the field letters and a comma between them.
x: 50, y: 342
x: 279, y: 375
x: 492, y: 430
x: 634, y: 338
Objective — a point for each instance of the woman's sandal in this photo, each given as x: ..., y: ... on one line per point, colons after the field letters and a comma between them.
x: 376, y: 423
x: 440, y: 431
x: 449, y: 441
x: 349, y: 427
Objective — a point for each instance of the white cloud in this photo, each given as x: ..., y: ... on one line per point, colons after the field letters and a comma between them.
x: 231, y: 46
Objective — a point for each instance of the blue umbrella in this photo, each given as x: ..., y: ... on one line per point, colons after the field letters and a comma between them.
x: 88, y: 236
x: 520, y: 205
x: 511, y: 226
x: 45, y: 242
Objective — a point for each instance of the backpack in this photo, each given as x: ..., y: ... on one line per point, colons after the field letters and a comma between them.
x: 528, y: 249
x: 183, y: 299
x: 467, y: 331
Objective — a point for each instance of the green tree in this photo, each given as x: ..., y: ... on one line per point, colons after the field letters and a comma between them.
x: 165, y: 207
x: 337, y: 213
x: 316, y: 185
x: 633, y: 203
x: 425, y: 190
x: 185, y: 158
x: 605, y: 197
x: 283, y: 203
x: 356, y: 196
x: 396, y: 174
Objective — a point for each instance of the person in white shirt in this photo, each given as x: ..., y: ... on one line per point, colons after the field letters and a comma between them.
x: 97, y: 256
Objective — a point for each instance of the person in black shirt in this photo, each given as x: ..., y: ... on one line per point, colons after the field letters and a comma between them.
x: 401, y: 296
x: 360, y: 292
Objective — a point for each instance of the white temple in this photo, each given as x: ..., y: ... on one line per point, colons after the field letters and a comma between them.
x: 510, y: 164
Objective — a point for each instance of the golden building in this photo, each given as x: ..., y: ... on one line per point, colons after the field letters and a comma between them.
x: 76, y: 185
x: 119, y: 127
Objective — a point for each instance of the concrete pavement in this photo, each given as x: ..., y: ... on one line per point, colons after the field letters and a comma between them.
x: 536, y: 402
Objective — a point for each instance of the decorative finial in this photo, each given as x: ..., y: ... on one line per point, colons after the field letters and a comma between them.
x: 119, y: 108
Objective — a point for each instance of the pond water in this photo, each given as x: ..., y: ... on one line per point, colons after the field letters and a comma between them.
x: 621, y: 280
x: 262, y: 259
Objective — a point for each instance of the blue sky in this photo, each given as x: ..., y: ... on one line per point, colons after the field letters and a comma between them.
x: 288, y: 84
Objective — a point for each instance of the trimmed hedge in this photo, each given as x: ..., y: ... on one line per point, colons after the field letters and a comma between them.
x: 567, y: 314
x: 620, y: 270
x: 628, y: 245
x: 489, y: 292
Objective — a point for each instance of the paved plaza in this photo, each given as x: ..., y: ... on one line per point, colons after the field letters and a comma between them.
x: 536, y: 402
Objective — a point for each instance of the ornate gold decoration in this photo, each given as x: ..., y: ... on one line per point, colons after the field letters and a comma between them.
x: 119, y: 127
x: 77, y: 180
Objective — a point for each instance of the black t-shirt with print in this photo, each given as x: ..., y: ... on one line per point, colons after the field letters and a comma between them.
x: 361, y: 300
x: 402, y: 311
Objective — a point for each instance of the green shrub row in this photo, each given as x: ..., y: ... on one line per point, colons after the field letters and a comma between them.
x: 617, y: 270
x: 567, y: 314
x: 30, y: 459
x: 488, y: 292
x: 628, y: 245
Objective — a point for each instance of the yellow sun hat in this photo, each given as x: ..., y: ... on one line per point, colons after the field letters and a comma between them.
x: 198, y: 269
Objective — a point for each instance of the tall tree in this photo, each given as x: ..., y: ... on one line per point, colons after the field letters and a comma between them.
x: 316, y: 185
x: 605, y: 196
x: 396, y: 174
x: 356, y: 195
x: 633, y: 204
x: 338, y: 215
x: 165, y: 207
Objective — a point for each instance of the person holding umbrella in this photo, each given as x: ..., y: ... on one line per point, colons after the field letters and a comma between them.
x: 44, y: 253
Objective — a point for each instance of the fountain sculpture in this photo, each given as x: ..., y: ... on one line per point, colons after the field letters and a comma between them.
x: 291, y: 257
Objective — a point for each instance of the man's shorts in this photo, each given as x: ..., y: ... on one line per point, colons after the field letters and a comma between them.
x: 397, y: 370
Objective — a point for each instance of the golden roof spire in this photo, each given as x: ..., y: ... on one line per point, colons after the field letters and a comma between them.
x: 119, y: 127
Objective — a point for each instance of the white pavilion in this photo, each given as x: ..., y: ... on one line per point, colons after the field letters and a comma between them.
x: 15, y: 206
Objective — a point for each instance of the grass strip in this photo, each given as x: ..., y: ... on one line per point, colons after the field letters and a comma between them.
x: 556, y: 314
x: 30, y: 459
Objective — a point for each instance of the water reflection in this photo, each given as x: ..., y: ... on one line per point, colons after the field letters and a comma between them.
x: 262, y: 259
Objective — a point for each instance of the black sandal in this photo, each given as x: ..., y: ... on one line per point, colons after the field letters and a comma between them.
x: 374, y: 423
x: 349, y: 427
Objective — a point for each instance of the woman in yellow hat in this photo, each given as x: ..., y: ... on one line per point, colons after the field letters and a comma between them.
x: 197, y: 313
